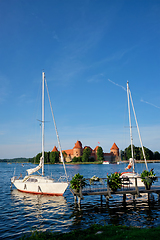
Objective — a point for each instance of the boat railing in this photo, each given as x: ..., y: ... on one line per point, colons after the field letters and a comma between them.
x: 62, y: 179
x: 95, y: 185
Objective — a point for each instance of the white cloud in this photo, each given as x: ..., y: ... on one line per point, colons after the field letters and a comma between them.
x: 96, y: 78
x: 117, y: 84
x: 149, y: 103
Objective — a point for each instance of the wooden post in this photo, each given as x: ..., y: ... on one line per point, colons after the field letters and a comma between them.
x: 136, y: 187
x: 124, y: 198
x: 108, y: 190
x: 107, y: 200
x: 75, y: 199
x: 148, y: 197
x: 80, y: 192
x: 101, y: 200
x: 79, y: 201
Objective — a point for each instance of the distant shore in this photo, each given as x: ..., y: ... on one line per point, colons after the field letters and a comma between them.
x: 142, y: 161
x: 76, y: 163
x: 148, y: 161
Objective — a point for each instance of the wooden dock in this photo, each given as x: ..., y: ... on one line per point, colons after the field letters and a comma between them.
x: 103, y: 189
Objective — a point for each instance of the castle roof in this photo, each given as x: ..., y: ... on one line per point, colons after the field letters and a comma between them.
x: 114, y: 147
x: 96, y: 148
x: 69, y: 151
x: 78, y: 144
x: 54, y: 149
x: 89, y: 148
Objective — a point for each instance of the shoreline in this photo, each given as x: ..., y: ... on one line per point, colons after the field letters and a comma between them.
x: 98, y: 232
x: 125, y: 161
x: 148, y: 161
x: 98, y: 162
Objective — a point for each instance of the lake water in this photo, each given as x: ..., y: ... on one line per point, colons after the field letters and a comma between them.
x: 21, y: 213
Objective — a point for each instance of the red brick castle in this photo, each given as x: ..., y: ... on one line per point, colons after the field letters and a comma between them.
x: 77, y: 151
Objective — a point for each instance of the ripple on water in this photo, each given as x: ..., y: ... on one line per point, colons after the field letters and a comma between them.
x: 21, y: 213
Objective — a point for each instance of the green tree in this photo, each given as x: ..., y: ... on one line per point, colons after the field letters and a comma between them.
x: 77, y: 159
x: 100, y: 154
x: 80, y: 159
x: 91, y: 159
x: 37, y: 157
x: 138, y: 154
x: 46, y: 157
x: 54, y: 157
x: 128, y: 153
x: 123, y: 155
x: 86, y: 155
x: 31, y: 160
x: 64, y: 155
x: 156, y: 155
x: 148, y: 153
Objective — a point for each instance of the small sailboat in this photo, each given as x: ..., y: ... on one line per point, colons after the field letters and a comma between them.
x: 132, y: 175
x: 40, y: 184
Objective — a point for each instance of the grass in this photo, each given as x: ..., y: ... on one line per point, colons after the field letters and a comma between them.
x: 98, y: 232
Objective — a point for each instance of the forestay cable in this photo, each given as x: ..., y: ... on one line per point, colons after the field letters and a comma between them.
x: 56, y: 130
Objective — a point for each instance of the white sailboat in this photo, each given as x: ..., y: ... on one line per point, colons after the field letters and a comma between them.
x: 40, y: 184
x: 132, y: 175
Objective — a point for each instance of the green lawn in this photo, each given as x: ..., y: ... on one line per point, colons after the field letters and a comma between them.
x: 99, y: 232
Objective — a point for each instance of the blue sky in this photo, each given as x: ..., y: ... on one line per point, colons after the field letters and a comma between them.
x: 88, y: 50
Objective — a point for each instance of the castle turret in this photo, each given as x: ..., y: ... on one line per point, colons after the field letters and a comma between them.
x: 77, y: 150
x: 54, y: 149
x: 114, y: 150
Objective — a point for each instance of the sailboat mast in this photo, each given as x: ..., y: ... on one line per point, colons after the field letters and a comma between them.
x: 43, y: 76
x: 130, y: 126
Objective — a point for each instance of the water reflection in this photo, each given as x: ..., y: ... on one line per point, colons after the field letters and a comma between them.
x: 140, y: 213
x: 23, y: 212
x: 42, y: 210
x: 38, y: 200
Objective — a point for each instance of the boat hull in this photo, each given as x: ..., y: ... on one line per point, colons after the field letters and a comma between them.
x: 105, y: 162
x: 41, y: 186
x: 132, y: 177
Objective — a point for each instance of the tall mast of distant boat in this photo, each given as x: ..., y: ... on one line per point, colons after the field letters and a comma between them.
x: 43, y: 76
x: 130, y: 97
x: 130, y: 125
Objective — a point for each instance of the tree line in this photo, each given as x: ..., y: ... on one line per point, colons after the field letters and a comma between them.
x: 53, y: 157
x: 138, y: 154
x: 19, y: 160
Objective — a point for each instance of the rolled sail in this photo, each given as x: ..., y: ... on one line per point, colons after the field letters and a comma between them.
x: 33, y: 170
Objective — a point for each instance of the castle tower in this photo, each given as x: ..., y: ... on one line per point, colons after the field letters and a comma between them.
x: 95, y: 152
x: 114, y: 150
x: 77, y: 150
x: 54, y: 149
